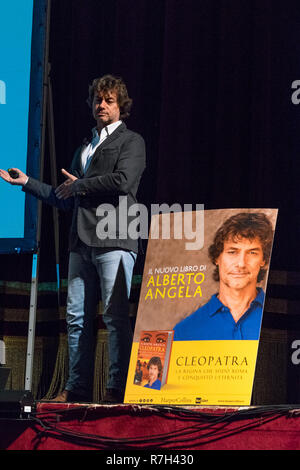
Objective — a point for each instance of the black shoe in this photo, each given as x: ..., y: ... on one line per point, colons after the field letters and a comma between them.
x: 113, y: 395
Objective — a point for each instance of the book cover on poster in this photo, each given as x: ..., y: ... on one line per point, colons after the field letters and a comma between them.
x: 205, y: 278
x: 153, y: 358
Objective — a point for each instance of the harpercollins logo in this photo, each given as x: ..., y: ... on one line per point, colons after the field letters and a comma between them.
x: 2, y: 92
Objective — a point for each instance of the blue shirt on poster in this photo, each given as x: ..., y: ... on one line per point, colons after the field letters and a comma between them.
x: 156, y: 385
x: 213, y: 321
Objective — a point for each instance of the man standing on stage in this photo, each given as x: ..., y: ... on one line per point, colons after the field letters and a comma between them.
x: 104, y: 171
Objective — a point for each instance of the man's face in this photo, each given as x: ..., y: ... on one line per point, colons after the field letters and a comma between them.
x: 105, y: 108
x: 240, y: 262
x: 153, y: 372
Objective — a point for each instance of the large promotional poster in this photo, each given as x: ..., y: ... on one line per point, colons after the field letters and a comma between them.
x: 201, y: 305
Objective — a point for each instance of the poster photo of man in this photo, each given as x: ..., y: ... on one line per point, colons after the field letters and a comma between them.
x: 240, y: 253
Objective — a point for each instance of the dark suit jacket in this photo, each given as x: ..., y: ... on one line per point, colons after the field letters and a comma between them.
x: 110, y: 182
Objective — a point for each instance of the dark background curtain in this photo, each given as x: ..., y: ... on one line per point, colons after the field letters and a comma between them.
x: 211, y: 85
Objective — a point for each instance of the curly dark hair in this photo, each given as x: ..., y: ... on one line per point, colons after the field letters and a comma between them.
x: 111, y: 83
x: 243, y: 225
x: 155, y: 361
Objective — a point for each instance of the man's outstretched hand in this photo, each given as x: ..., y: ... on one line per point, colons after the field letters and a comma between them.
x: 20, y: 181
x: 64, y: 191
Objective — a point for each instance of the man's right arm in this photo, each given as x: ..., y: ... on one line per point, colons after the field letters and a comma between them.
x: 46, y: 193
x: 42, y: 191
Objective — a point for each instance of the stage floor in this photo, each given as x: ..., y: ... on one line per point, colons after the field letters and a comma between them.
x: 54, y: 426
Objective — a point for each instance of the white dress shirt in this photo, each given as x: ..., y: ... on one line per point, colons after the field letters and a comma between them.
x: 97, y: 139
